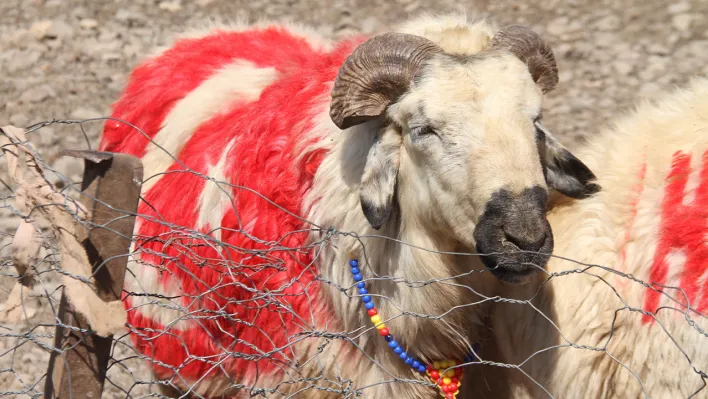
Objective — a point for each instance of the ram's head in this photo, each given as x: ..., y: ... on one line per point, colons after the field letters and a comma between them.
x: 460, y: 141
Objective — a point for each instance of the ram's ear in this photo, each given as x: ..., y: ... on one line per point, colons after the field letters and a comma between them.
x: 564, y: 172
x: 378, y: 182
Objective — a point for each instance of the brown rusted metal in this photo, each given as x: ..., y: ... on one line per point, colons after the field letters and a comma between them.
x: 111, y: 184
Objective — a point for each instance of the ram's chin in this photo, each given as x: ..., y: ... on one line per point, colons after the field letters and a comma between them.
x: 514, y: 267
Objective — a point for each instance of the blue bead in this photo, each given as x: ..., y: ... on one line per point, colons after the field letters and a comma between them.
x: 416, y: 364
x: 403, y: 355
x: 361, y: 285
x: 398, y: 350
x: 353, y: 263
x: 363, y: 291
x: 388, y: 338
x: 358, y: 277
x: 369, y: 305
x: 421, y: 369
x: 366, y: 298
x: 393, y: 344
x: 409, y: 360
x: 355, y: 270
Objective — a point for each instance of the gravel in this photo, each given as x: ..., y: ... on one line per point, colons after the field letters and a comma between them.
x: 69, y: 59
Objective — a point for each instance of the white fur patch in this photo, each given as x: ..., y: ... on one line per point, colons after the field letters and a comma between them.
x: 455, y: 33
x: 154, y: 296
x: 694, y: 179
x: 240, y: 80
x: 215, y: 198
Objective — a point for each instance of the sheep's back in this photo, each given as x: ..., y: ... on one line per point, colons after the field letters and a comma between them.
x: 212, y: 283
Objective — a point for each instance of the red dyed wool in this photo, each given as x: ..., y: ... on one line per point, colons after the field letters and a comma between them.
x: 224, y: 290
x: 682, y: 227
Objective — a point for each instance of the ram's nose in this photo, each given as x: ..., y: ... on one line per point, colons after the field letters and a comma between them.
x: 526, y: 230
x: 513, y: 236
x: 525, y: 241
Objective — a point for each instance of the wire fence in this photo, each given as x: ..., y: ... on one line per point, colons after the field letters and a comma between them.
x: 63, y: 252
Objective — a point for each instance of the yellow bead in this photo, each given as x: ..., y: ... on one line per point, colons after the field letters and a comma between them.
x: 376, y: 319
x: 450, y: 373
x: 437, y: 365
x: 446, y: 380
x: 452, y: 363
x: 381, y: 326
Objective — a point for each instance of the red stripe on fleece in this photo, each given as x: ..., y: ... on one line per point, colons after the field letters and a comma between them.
x: 682, y: 227
x: 695, y: 236
x: 159, y: 83
x: 245, y: 304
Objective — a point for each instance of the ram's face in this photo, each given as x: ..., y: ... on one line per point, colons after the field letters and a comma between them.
x: 461, y: 145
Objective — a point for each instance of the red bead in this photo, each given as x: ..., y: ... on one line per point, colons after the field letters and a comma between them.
x: 458, y: 371
x: 373, y: 312
x: 450, y: 396
x: 435, y: 375
x: 384, y: 331
x: 429, y: 367
x: 455, y: 380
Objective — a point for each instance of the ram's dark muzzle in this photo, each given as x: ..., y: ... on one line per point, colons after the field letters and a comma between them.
x: 513, y: 235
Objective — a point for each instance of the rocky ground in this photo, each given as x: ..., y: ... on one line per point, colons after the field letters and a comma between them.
x: 69, y: 59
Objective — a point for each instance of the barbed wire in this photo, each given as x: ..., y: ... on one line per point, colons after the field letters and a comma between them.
x: 215, y: 283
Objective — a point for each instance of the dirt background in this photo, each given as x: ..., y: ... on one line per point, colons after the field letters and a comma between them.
x: 69, y: 59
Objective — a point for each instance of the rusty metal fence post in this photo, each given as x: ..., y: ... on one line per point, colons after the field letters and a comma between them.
x: 111, y: 187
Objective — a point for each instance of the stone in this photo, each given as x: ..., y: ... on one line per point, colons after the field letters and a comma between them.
x: 60, y: 30
x: 46, y: 136
x: 368, y: 25
x: 95, y: 48
x: 132, y: 50
x: 70, y: 167
x: 125, y: 15
x: 19, y: 120
x: 682, y: 22
x: 107, y: 57
x: 18, y: 38
x: 649, y: 90
x: 40, y: 29
x: 85, y: 113
x: 21, y: 60
x: 609, y: 23
x: 658, y: 49
x: 171, y: 6
x: 37, y: 94
x: 88, y: 23
x: 558, y: 26
x: 679, y: 7
x: 622, y: 68
x: 9, y: 224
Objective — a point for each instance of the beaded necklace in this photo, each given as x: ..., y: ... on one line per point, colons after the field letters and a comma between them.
x: 449, y: 381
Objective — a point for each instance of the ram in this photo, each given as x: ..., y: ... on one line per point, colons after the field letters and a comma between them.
x: 398, y: 150
x: 602, y: 333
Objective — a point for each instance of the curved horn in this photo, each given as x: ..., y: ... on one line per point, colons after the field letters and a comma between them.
x: 530, y: 48
x: 375, y: 74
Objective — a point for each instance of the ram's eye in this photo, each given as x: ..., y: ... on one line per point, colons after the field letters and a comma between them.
x: 422, y: 131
